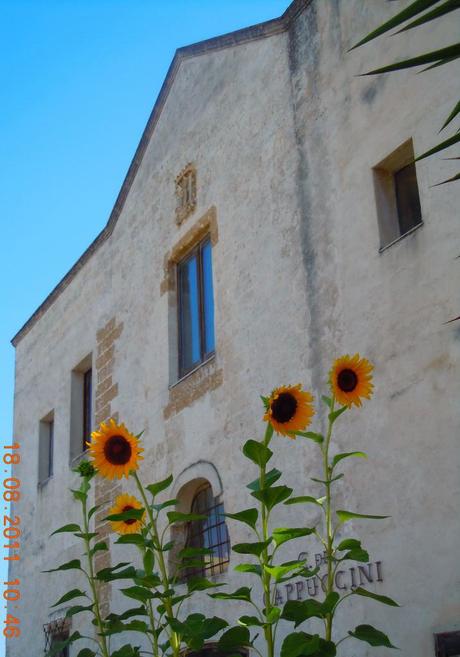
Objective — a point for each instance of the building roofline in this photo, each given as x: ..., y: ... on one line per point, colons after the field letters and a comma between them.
x: 229, y: 40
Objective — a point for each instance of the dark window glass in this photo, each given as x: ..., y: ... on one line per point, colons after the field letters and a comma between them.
x: 87, y: 406
x: 50, y: 447
x: 210, y: 533
x: 196, y: 308
x: 407, y: 198
x: 447, y: 644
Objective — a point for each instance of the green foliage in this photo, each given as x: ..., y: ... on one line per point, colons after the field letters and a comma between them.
x: 436, y: 58
x: 371, y: 636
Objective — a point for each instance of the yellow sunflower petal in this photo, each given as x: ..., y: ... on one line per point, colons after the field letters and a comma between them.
x: 351, y: 380
x: 123, y: 503
x: 289, y: 409
x: 114, y: 450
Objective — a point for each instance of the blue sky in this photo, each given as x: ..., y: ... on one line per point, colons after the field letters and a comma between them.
x: 78, y: 79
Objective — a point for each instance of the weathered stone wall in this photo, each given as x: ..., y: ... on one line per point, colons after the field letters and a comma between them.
x: 283, y: 137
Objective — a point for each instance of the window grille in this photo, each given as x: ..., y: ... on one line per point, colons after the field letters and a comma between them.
x: 57, y: 631
x: 210, y: 533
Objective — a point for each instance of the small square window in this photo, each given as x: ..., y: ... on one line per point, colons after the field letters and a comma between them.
x: 196, y: 307
x: 185, y: 193
x: 397, y: 195
x: 46, y: 448
x: 447, y: 644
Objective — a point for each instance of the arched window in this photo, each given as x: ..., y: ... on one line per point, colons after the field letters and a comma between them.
x: 210, y: 533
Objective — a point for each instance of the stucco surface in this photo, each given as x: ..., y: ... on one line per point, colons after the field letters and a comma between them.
x: 284, y: 138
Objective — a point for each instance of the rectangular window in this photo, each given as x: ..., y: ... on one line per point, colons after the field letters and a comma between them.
x: 447, y: 644
x: 196, y: 307
x: 87, y: 407
x: 397, y: 195
x: 81, y: 407
x: 46, y: 448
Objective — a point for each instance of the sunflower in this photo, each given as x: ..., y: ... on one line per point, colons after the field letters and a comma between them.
x: 115, y: 451
x: 124, y: 503
x: 289, y: 408
x: 351, y: 379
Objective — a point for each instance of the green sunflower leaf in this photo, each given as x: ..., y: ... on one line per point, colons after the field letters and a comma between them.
x: 356, y: 554
x: 379, y: 598
x: 311, y: 435
x: 250, y: 621
x: 371, y: 636
x: 243, y: 593
x: 234, y: 638
x: 93, y: 510
x: 73, y: 527
x: 131, y: 539
x: 101, y: 546
x: 77, y: 609
x: 70, y: 595
x: 279, y: 572
x: 335, y: 414
x: 86, y: 652
x: 306, y: 499
x: 253, y: 568
x: 327, y: 400
x: 74, y: 564
x: 248, y: 516
x: 154, y: 489
x: 138, y: 593
x: 349, y: 544
x: 344, y: 516
x: 285, y: 534
x: 272, y: 496
x: 257, y: 453
x: 59, y: 646
x: 255, y: 548
x: 339, y: 457
x: 130, y: 514
x: 271, y: 477
x: 198, y: 583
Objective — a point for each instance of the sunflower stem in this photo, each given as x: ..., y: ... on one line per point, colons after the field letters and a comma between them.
x: 264, y: 559
x: 329, y: 531
x: 174, y: 638
x: 101, y: 640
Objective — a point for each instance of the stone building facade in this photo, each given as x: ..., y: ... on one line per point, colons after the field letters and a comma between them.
x: 266, y: 143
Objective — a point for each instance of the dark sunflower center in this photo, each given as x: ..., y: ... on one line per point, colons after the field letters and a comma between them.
x: 284, y: 407
x: 131, y: 520
x: 347, y: 380
x: 117, y: 450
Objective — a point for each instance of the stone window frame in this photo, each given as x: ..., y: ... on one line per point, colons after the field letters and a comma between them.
x: 186, y: 192
x: 206, y: 376
x: 386, y: 195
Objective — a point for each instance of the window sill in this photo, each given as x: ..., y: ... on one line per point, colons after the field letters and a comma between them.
x: 75, y: 460
x: 204, y: 378
x: 195, y: 369
x: 401, y: 237
x: 42, y: 484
